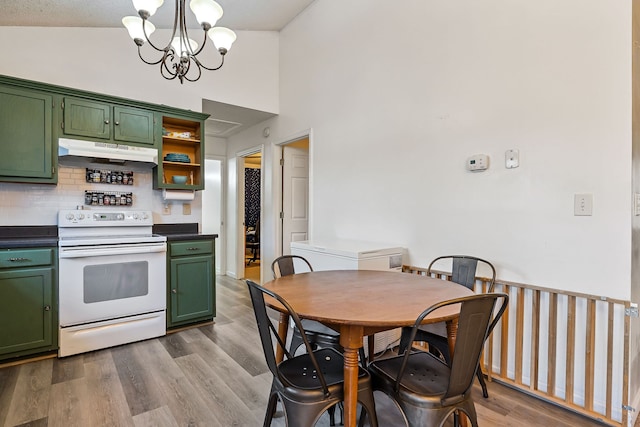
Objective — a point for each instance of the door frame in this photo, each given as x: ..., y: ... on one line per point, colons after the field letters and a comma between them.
x: 222, y: 237
x: 240, y: 235
x: 278, y: 196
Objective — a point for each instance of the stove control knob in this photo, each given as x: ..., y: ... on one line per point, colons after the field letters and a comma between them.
x: 120, y: 217
x: 144, y: 215
x: 69, y: 216
x: 80, y: 216
x: 135, y: 216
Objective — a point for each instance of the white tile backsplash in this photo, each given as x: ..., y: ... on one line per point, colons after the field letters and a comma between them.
x: 38, y: 204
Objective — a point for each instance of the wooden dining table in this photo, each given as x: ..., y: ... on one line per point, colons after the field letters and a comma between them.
x: 359, y: 303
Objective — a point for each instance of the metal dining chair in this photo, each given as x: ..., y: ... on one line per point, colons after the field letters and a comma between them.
x: 308, y: 384
x: 317, y: 334
x: 463, y: 272
x: 425, y: 388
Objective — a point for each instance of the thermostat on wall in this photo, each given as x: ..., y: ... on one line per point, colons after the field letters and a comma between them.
x: 478, y: 162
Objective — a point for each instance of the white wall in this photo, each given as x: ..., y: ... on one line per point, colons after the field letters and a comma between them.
x: 399, y: 95
x: 105, y: 60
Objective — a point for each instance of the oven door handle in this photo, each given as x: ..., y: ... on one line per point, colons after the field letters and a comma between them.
x: 94, y: 252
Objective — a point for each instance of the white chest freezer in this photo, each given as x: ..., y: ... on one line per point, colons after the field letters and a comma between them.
x: 354, y: 255
x: 348, y: 255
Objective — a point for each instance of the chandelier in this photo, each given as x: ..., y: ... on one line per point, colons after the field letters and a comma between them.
x: 179, y: 57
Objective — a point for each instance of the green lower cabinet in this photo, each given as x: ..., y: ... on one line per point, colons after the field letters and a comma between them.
x: 191, y: 282
x: 28, y: 314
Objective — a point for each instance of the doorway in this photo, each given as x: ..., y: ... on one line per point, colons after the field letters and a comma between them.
x: 295, y: 193
x: 250, y: 202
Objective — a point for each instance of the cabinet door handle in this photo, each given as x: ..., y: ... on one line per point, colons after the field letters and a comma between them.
x: 193, y: 249
x: 47, y: 308
x: 19, y: 259
x: 106, y: 122
x: 117, y: 123
x: 174, y: 291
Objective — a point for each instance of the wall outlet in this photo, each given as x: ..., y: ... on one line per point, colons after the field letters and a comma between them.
x: 511, y: 159
x: 186, y: 209
x: 583, y: 205
x: 166, y: 210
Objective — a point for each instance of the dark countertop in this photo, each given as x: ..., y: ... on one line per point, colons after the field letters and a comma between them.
x: 28, y: 236
x: 181, y: 231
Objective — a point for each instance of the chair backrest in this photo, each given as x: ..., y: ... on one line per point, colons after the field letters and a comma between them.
x: 268, y: 332
x: 477, y: 319
x: 285, y: 265
x: 463, y: 270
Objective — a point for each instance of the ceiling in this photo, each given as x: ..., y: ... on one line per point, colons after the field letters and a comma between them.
x: 248, y: 15
x: 252, y: 15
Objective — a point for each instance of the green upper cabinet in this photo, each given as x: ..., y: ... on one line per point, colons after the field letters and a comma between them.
x: 118, y: 124
x: 26, y: 127
x: 87, y: 118
x: 133, y: 125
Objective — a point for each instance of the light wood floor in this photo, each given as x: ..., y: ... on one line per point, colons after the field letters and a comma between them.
x: 212, y: 375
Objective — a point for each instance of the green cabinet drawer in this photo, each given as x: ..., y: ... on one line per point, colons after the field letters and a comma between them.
x: 26, y: 258
x: 190, y: 248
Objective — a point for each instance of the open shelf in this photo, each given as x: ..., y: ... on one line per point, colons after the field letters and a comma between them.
x: 181, y: 137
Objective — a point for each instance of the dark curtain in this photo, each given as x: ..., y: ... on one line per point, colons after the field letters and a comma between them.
x: 251, y: 196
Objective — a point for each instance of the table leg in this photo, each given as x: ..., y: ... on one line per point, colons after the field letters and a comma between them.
x: 351, y: 339
x: 283, y: 327
x: 452, y: 333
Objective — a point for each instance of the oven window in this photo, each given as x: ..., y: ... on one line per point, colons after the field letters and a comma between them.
x: 106, y: 282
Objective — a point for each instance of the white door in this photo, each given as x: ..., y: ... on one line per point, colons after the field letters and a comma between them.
x: 212, y: 208
x: 295, y: 196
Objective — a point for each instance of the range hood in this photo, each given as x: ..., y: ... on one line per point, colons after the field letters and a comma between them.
x: 114, y: 153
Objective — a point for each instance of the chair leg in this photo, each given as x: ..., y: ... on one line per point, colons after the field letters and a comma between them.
x: 483, y: 384
x: 332, y: 416
x: 271, y: 409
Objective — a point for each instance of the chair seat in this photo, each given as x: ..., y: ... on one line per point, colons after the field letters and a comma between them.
x: 299, y: 371
x: 426, y: 377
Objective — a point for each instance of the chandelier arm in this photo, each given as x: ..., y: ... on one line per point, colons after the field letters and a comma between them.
x: 146, y: 36
x: 171, y: 75
x: 198, y: 75
x: 149, y: 62
x: 210, y: 69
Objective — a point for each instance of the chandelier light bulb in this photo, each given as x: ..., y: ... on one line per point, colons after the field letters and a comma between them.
x: 133, y: 24
x: 147, y: 5
x: 222, y: 38
x: 207, y: 12
x: 180, y: 47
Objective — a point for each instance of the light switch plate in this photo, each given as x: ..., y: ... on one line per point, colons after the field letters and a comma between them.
x: 583, y: 205
x: 511, y: 159
x: 186, y: 209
